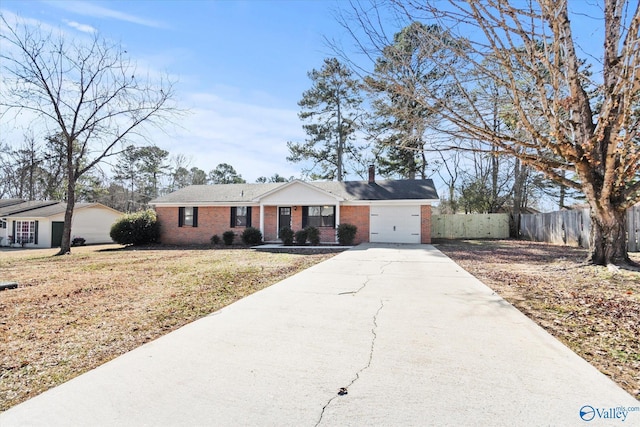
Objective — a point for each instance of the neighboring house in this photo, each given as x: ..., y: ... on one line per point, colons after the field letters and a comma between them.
x: 386, y: 211
x: 39, y: 224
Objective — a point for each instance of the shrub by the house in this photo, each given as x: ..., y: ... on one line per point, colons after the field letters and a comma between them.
x: 286, y: 235
x: 301, y: 237
x: 78, y: 241
x: 251, y: 236
x: 228, y: 237
x: 347, y: 234
x: 215, y: 239
x: 138, y: 228
x: 313, y: 235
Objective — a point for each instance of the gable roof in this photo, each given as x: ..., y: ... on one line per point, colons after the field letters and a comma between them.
x: 308, y: 186
x: 406, y: 189
x: 8, y: 202
x: 15, y: 208
x: 56, y: 209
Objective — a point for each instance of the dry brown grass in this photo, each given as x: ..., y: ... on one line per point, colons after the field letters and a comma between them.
x: 73, y: 313
x: 593, y: 310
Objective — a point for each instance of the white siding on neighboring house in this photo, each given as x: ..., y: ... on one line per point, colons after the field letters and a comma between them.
x: 92, y: 223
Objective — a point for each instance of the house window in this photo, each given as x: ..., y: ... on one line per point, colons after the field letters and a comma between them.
x: 3, y: 223
x: 26, y: 232
x: 241, y: 216
x: 188, y: 216
x: 318, y: 216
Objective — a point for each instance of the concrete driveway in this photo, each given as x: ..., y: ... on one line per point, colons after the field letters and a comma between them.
x: 380, y: 335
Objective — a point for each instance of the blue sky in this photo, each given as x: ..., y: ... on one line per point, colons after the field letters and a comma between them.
x: 241, y: 68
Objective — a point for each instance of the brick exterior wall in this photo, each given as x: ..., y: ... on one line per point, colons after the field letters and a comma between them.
x: 211, y: 220
x: 358, y: 216
x: 296, y: 218
x: 425, y: 224
x: 270, y: 223
x: 216, y: 220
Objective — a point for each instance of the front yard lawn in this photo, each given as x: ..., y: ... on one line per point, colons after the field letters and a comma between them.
x: 73, y: 313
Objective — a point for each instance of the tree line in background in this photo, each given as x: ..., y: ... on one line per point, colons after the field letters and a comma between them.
x: 35, y: 171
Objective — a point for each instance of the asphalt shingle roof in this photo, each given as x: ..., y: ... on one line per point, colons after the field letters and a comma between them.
x: 8, y: 202
x: 418, y: 189
x: 47, y: 211
x: 24, y: 207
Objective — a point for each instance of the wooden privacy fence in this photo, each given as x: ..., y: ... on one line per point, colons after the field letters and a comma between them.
x: 573, y: 227
x: 633, y: 229
x: 475, y: 226
x: 561, y: 227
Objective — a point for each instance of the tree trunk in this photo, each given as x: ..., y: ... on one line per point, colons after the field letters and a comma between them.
x: 518, y: 184
x: 65, y: 245
x: 608, y: 240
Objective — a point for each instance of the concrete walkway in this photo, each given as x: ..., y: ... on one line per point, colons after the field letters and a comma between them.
x: 409, y: 337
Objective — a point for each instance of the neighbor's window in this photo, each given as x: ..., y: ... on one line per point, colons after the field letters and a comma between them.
x: 25, y: 232
x: 188, y: 216
x: 318, y: 216
x: 241, y: 216
x: 3, y: 223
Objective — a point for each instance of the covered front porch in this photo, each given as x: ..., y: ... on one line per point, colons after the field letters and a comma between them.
x: 298, y: 205
x: 324, y: 217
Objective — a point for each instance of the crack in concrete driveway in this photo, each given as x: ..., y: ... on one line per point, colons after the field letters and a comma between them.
x: 344, y: 390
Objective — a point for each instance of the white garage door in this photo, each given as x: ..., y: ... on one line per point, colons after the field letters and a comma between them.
x: 395, y: 224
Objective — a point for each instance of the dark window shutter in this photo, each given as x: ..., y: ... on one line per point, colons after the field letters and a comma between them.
x: 249, y: 216
x: 14, y: 231
x: 180, y: 217
x: 35, y: 234
x: 195, y: 216
x: 233, y: 217
x: 334, y: 217
x: 305, y: 216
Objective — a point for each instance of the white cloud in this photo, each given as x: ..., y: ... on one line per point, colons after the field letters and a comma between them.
x: 96, y: 11
x: 252, y: 138
x: 81, y: 27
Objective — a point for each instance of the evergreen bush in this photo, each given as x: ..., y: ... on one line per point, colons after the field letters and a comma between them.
x: 301, y: 237
x: 286, y: 235
x: 138, y: 228
x: 251, y: 236
x: 313, y: 235
x: 347, y: 234
x: 228, y: 237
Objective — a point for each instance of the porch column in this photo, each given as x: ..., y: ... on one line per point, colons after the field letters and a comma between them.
x: 262, y: 219
x: 335, y: 231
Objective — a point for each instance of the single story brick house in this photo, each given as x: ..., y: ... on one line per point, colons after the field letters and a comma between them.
x: 39, y: 224
x: 392, y: 211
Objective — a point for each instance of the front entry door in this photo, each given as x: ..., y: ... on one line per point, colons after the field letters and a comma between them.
x: 57, y: 227
x: 284, y: 218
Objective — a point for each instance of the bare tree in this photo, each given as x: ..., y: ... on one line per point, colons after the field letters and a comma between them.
x: 85, y: 91
x: 579, y: 130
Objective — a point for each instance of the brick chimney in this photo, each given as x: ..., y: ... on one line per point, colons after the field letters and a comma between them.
x: 372, y: 174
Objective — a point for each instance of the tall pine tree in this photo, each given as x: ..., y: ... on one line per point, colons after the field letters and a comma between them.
x: 331, y: 109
